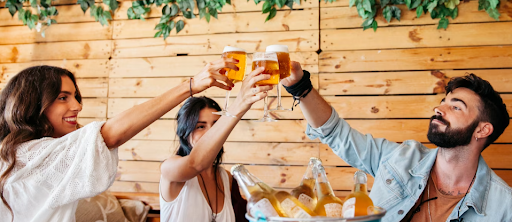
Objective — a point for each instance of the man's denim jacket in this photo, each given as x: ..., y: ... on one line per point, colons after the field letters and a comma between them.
x: 401, y: 172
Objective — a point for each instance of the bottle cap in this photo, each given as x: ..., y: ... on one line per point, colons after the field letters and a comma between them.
x: 236, y: 168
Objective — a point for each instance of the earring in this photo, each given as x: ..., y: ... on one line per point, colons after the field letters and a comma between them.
x: 476, y: 138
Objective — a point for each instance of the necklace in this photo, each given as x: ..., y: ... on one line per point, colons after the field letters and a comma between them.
x: 214, y: 215
x: 458, y: 211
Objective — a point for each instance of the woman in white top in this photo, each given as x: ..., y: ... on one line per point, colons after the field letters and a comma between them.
x: 48, y: 163
x: 192, y: 186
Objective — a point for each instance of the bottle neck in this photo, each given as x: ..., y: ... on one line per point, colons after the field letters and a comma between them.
x: 246, y: 182
x: 322, y: 183
x: 360, y: 187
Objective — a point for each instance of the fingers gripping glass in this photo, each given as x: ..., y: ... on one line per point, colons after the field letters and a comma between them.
x: 233, y: 75
x: 269, y: 61
x: 283, y: 58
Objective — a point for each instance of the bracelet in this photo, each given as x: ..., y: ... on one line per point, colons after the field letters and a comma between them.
x: 190, y: 87
x: 300, y: 89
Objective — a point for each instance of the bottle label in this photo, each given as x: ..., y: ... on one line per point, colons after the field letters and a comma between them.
x: 306, y: 200
x: 349, y: 208
x: 264, y: 207
x: 333, y: 210
x: 295, y: 211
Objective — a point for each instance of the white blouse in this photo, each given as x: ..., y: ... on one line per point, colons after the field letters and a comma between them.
x: 192, y: 205
x: 52, y: 174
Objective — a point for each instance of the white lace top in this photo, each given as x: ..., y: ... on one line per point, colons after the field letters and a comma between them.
x: 52, y: 174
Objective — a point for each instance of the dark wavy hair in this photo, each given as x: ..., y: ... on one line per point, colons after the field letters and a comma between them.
x: 22, y: 104
x: 492, y: 109
x: 187, y: 119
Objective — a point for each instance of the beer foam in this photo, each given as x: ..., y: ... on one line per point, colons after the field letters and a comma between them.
x: 277, y: 48
x: 233, y: 49
x: 261, y: 56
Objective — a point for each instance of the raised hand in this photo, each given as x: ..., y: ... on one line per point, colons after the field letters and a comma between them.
x: 213, y: 75
x: 250, y: 93
x: 296, y: 74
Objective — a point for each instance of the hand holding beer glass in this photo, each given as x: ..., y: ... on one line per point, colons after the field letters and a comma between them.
x: 283, y: 58
x: 233, y: 75
x: 269, y: 61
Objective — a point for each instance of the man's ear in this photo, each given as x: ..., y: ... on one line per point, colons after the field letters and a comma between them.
x: 484, y: 130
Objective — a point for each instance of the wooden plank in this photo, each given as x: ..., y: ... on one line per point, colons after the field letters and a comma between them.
x: 55, y: 51
x: 135, y: 187
x: 227, y: 23
x: 118, y: 105
x: 236, y: 6
x: 497, y: 156
x: 417, y: 59
x: 151, y: 87
x: 506, y: 175
x: 275, y: 176
x: 214, y: 44
x: 80, y: 68
x: 85, y: 120
x: 189, y: 65
x: 420, y: 82
x: 337, y: 3
x: 498, y: 33
x: 150, y: 199
x: 93, y: 87
x: 397, y: 130
x: 96, y: 108
x: 56, y: 33
x: 345, y: 17
x: 235, y: 152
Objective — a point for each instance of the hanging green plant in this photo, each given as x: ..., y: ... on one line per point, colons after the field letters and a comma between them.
x: 438, y: 9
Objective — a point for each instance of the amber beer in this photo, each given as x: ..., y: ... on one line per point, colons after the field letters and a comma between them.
x: 240, y: 55
x: 305, y: 191
x: 269, y: 61
x: 260, y: 202
x: 283, y: 58
x: 357, y: 203
x: 328, y: 204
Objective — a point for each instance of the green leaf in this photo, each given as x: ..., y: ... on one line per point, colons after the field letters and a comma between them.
x: 397, y: 13
x: 367, y: 23
x: 415, y: 4
x: 174, y: 9
x: 443, y: 23
x: 257, y: 1
x: 367, y: 5
x: 160, y: 26
x: 166, y: 10
x: 84, y: 6
x: 271, y: 14
x: 171, y: 24
x: 280, y: 3
x: 408, y: 3
x: 113, y: 5
x: 383, y: 3
x: 179, y: 26
x: 213, y: 12
x: 289, y: 3
x: 297, y: 2
x: 12, y: 10
x: 455, y: 13
x: 387, y: 13
x: 493, y: 3
x: 361, y: 11
x: 419, y: 11
x: 107, y: 15
x: 431, y: 6
x: 159, y: 2
x: 158, y: 34
x: 374, y: 25
x: 266, y: 7
x: 451, y: 4
x: 33, y: 3
x: 494, y: 13
x: 188, y: 14
x: 207, y: 17
x: 131, y: 14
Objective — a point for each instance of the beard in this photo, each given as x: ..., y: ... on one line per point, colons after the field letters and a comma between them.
x: 452, y: 137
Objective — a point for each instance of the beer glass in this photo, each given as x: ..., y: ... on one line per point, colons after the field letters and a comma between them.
x: 233, y: 75
x: 283, y: 58
x: 269, y: 61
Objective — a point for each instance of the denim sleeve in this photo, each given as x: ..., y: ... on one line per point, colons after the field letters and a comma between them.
x: 360, y: 151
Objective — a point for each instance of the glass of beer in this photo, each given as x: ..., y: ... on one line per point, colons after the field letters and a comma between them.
x: 233, y: 75
x: 269, y: 61
x: 283, y: 58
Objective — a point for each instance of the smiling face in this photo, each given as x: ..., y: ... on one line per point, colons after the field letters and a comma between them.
x: 63, y: 112
x: 455, y: 119
x: 204, y: 123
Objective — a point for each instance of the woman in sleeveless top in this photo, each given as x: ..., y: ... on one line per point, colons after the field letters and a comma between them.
x: 47, y: 162
x: 193, y: 187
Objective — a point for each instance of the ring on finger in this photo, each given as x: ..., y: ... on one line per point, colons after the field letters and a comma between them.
x: 254, y: 90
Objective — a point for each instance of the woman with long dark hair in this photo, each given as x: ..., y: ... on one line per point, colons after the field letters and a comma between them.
x: 193, y: 187
x: 47, y: 162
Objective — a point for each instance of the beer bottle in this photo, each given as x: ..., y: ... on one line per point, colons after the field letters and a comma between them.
x: 305, y: 191
x: 290, y: 205
x: 260, y: 202
x: 328, y: 204
x: 357, y: 203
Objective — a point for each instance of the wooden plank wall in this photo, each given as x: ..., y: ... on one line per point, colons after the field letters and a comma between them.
x: 385, y: 82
